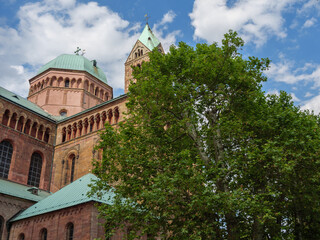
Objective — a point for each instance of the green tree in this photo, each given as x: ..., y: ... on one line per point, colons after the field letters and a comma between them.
x: 204, y: 154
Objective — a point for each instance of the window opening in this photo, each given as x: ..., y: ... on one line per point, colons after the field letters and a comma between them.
x: 70, y: 229
x: 73, y: 161
x: 35, y: 170
x: 67, y: 83
x: 43, y: 234
x: 5, y: 158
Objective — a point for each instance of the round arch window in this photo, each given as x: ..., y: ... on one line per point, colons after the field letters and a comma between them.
x: 63, y: 113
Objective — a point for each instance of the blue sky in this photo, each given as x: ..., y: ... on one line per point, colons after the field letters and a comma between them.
x: 286, y: 31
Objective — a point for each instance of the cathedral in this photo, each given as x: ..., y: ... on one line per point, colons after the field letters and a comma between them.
x: 47, y: 145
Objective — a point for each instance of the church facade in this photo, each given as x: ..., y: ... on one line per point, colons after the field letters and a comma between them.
x: 47, y: 145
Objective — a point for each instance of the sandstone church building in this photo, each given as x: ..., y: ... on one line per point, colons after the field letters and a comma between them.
x: 47, y: 146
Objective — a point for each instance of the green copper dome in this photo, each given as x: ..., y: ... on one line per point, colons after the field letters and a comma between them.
x: 75, y: 62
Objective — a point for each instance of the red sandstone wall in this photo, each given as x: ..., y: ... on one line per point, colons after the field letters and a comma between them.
x: 81, y: 146
x: 9, y: 206
x: 23, y: 148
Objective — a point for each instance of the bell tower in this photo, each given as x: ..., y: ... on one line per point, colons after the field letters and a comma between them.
x: 139, y: 53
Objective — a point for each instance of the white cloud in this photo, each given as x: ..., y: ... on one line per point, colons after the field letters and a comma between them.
x: 308, y: 94
x: 312, y: 104
x: 286, y: 71
x: 255, y: 21
x: 294, y: 97
x: 309, y: 23
x: 49, y: 28
x: 159, y: 30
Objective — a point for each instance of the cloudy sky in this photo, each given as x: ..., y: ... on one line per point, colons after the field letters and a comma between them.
x: 286, y: 31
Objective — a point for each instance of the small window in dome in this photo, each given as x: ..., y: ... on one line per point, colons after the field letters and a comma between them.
x: 63, y: 113
x: 67, y: 83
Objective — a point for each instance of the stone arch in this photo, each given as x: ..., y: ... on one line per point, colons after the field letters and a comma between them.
x: 46, y: 135
x: 34, y: 128
x: 69, y: 167
x: 116, y: 114
x: 74, y: 130
x: 86, y: 85
x: 106, y: 96
x: 85, y: 126
x: 79, y: 82
x: 27, y: 126
x: 97, y: 121
x: 101, y: 94
x: 91, y: 124
x: 110, y: 116
x: 67, y: 82
x: 47, y: 82
x: 64, y: 134
x: 96, y: 92
x: 40, y: 132
x: 54, y: 82
x: 60, y: 81
x: 13, y: 120
x: 80, y: 126
x: 73, y: 83
x: 20, y: 123
x: 92, y: 88
x: 103, y: 118
x: 6, y: 117
x: 68, y: 132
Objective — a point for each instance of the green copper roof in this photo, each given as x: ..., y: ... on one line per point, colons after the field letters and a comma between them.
x: 14, y: 98
x: 73, y: 194
x: 21, y: 191
x: 148, y: 38
x: 75, y: 62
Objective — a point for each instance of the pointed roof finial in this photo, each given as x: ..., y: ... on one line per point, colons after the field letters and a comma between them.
x: 147, y: 18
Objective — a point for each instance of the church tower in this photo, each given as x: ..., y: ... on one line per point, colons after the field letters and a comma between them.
x: 139, y: 53
x: 69, y: 84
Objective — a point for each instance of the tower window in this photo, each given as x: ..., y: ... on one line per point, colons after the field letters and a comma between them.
x: 35, y: 170
x: 70, y: 228
x: 67, y: 83
x: 43, y: 234
x: 5, y: 158
x: 63, y: 113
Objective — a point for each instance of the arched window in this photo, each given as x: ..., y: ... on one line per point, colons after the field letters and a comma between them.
x: 110, y: 115
x: 70, y: 230
x: 27, y: 127
x: 21, y: 236
x: 91, y: 124
x: 34, y: 129
x: 13, y: 120
x: 43, y: 234
x: 73, y: 162
x: 67, y: 83
x: 63, y: 113
x: 64, y: 134
x: 20, y: 124
x: 1, y: 226
x: 116, y: 115
x: 35, y: 170
x: 46, y: 135
x: 5, y: 117
x: 5, y: 158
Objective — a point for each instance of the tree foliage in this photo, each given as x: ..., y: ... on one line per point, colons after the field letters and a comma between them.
x: 205, y: 154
